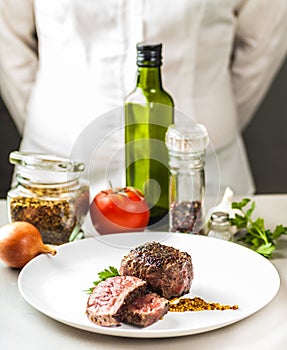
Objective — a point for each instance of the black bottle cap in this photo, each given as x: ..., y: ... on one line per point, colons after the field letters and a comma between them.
x: 149, y: 54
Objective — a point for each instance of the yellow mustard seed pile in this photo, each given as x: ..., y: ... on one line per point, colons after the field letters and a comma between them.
x: 196, y: 304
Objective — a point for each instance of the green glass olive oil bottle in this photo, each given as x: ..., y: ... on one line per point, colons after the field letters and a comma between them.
x: 148, y: 114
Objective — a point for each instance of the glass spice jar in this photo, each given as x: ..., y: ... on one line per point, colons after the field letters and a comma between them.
x: 49, y: 194
x: 220, y: 226
x: 187, y: 146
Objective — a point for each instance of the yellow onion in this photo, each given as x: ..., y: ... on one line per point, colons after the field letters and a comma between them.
x: 20, y: 242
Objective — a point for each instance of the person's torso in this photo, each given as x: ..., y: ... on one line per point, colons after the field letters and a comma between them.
x: 87, y: 66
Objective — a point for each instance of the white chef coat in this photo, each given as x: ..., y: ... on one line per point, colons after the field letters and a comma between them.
x: 219, y: 58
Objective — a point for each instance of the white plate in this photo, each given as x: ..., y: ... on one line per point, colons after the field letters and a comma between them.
x: 224, y: 272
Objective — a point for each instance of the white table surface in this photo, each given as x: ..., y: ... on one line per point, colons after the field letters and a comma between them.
x: 21, y: 326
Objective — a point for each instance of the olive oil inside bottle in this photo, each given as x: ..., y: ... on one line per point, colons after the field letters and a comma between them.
x: 148, y: 113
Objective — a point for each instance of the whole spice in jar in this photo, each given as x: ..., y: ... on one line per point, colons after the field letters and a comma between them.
x: 186, y: 145
x: 54, y: 204
x: 185, y: 216
x: 54, y: 218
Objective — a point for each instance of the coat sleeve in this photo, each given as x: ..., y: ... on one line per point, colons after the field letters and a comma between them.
x: 259, y: 51
x: 18, y: 56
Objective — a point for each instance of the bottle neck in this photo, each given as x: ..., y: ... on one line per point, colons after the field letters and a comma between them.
x: 149, y: 78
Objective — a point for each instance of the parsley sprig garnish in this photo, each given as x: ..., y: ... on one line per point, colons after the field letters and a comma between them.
x: 257, y: 237
x: 103, y: 275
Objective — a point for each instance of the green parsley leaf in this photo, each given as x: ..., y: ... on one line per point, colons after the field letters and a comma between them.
x: 240, y: 221
x: 240, y: 205
x: 250, y: 211
x: 279, y: 230
x: 104, y: 275
x: 266, y: 250
x: 256, y: 236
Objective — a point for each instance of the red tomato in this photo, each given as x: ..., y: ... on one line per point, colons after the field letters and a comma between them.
x: 119, y: 210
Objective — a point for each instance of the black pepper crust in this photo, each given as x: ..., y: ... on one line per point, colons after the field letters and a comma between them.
x: 167, y: 270
x: 156, y: 255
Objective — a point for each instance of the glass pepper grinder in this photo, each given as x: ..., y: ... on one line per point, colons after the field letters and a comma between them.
x: 220, y: 226
x: 186, y: 146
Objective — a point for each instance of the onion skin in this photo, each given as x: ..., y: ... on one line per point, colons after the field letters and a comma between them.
x: 20, y: 242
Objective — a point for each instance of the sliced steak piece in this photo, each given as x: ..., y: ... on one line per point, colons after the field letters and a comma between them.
x: 167, y: 270
x: 109, y: 299
x: 145, y: 310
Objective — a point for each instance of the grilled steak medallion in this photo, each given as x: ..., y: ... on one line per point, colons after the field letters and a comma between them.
x: 108, y: 302
x: 145, y: 310
x: 167, y: 270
